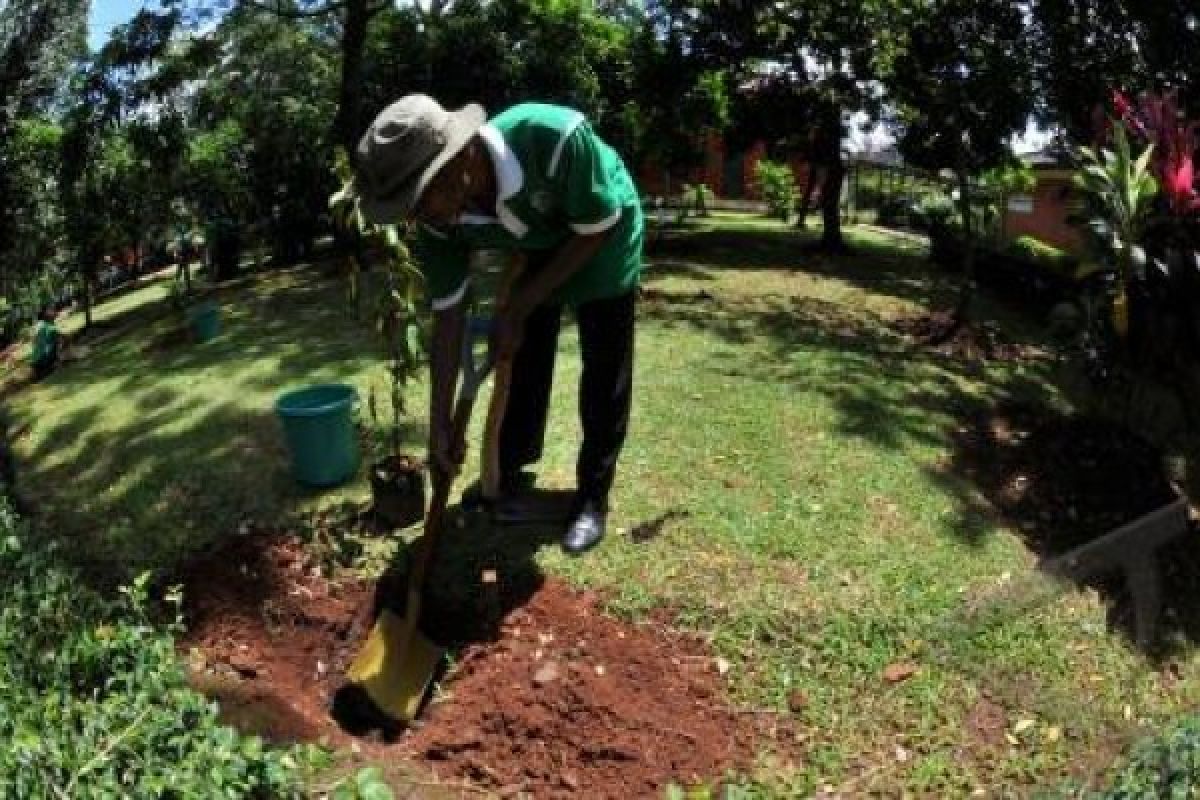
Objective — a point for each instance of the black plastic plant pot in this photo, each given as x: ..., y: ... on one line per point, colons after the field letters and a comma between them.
x: 398, y: 491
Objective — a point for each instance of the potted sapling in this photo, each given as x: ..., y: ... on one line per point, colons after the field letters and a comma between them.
x: 397, y: 478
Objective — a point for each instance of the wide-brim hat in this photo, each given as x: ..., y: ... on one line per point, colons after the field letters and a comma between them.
x: 403, y: 150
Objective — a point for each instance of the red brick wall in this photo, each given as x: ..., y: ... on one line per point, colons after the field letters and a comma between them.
x: 1048, y: 222
x: 652, y: 178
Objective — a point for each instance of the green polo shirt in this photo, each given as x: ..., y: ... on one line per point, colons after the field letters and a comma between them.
x: 555, y: 178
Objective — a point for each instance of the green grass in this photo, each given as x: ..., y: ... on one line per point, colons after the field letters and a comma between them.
x: 783, y: 491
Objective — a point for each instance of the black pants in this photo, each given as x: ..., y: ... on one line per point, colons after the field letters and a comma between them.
x: 605, y: 392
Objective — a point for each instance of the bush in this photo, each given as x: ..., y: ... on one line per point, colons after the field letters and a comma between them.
x: 777, y: 185
x: 93, y: 702
x: 697, y: 198
x: 936, y: 212
x: 1167, y: 766
x: 1038, y: 252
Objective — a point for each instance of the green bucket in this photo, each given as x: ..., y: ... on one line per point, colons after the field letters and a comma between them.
x: 206, y: 321
x: 318, y: 424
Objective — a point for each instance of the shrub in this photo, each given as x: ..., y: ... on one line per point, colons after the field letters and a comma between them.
x: 1038, y: 252
x: 93, y: 702
x: 936, y: 212
x: 777, y: 185
x: 1167, y: 766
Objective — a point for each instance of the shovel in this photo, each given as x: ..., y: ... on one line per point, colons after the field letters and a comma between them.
x: 396, y: 666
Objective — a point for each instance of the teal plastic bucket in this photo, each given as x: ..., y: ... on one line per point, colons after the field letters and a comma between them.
x: 318, y: 424
x: 206, y: 321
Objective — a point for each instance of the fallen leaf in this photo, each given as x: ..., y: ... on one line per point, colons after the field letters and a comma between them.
x: 723, y: 666
x: 902, y: 755
x: 1023, y: 725
x: 547, y: 674
x: 797, y: 701
x: 600, y: 670
x: 1053, y: 734
x: 1012, y: 739
x: 900, y: 671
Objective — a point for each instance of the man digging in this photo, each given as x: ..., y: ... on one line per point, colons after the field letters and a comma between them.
x: 534, y: 179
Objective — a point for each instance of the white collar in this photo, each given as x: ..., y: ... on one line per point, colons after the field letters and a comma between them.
x: 510, y: 178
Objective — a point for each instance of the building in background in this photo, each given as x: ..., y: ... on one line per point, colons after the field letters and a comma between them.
x: 1044, y: 213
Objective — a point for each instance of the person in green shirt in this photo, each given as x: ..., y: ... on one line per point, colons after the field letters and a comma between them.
x: 536, y: 179
x: 44, y: 354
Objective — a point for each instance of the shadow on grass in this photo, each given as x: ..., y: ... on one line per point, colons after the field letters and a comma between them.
x: 871, y: 264
x: 149, y: 470
x: 885, y: 390
x: 1065, y: 481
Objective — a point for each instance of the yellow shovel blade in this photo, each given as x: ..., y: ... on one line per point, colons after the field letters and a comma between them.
x: 396, y: 666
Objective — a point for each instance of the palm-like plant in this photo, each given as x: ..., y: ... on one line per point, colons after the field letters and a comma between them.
x: 1122, y: 188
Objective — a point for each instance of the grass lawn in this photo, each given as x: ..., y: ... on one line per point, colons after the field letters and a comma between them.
x: 784, y: 491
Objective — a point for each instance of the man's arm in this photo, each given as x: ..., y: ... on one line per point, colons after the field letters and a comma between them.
x: 568, y: 260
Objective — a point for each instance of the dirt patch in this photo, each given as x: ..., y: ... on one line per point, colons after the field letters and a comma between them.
x: 273, y: 636
x: 565, y: 702
x: 570, y: 702
x: 942, y: 333
x: 987, y: 723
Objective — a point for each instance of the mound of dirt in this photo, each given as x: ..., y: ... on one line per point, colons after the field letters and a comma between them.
x: 566, y: 701
x: 570, y: 702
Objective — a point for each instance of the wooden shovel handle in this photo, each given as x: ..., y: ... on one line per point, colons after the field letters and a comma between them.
x: 501, y: 382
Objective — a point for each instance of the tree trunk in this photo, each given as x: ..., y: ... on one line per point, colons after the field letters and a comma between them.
x: 810, y: 185
x: 966, y: 294
x: 835, y: 175
x: 831, y: 202
x: 354, y: 38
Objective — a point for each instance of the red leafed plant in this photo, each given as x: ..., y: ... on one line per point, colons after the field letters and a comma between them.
x: 1156, y: 120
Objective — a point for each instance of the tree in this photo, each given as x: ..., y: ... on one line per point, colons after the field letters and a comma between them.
x: 834, y: 51
x: 94, y: 160
x: 37, y: 39
x: 1087, y: 48
x: 677, y: 92
x: 961, y: 79
x: 804, y: 68
x: 506, y: 51
x: 277, y: 85
x: 354, y: 18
